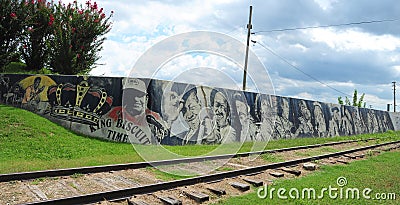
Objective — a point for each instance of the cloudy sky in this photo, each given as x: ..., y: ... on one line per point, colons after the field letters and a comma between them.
x: 317, y: 64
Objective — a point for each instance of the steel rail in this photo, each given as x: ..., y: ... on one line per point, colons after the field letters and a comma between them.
x: 125, y: 193
x: 138, y: 165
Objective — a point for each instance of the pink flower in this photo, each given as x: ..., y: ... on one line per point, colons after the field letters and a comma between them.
x: 13, y: 15
x: 78, y: 55
x: 94, y: 7
x: 51, y: 20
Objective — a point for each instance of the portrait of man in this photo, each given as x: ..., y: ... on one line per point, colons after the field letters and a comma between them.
x: 197, y: 119
x: 283, y: 124
x: 222, y: 131
x: 305, y: 126
x: 319, y: 120
x: 247, y: 128
x: 132, y: 117
x: 266, y: 114
x: 346, y: 124
x: 373, y: 125
x: 31, y: 98
x: 334, y: 122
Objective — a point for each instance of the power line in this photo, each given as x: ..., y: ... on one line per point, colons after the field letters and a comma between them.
x: 297, y: 68
x: 325, y: 26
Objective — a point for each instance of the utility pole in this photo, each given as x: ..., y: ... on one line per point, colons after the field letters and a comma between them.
x: 249, y: 27
x: 394, y: 96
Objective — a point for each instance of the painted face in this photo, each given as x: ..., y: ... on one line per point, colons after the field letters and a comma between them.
x: 36, y: 83
x: 285, y: 107
x: 336, y: 115
x: 170, y: 105
x: 304, y: 110
x: 266, y: 110
x: 193, y: 109
x: 135, y: 102
x: 220, y: 109
x: 318, y: 111
x: 242, y: 112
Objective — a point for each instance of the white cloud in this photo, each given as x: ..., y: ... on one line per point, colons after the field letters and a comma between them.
x: 354, y: 40
x: 325, y: 4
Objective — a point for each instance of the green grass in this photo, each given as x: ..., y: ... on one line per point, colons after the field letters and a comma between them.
x: 272, y: 158
x: 379, y: 173
x: 29, y: 142
x: 167, y: 176
x: 318, y: 151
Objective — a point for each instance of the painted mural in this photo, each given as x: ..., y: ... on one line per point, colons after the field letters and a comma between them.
x: 148, y: 111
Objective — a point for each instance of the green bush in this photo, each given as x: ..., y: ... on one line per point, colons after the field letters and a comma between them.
x: 15, y: 67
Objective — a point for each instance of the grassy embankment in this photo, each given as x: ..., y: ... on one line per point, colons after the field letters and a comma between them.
x: 30, y: 142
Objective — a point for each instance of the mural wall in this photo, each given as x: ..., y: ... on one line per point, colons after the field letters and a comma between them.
x: 148, y: 111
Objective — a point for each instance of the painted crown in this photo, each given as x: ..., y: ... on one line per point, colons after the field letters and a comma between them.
x: 81, y: 103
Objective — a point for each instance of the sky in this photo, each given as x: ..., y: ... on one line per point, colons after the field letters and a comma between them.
x: 319, y: 63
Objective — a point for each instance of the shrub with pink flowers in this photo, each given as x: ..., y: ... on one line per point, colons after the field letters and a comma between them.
x: 66, y: 39
x: 35, y: 34
x: 78, y: 37
x: 11, y: 15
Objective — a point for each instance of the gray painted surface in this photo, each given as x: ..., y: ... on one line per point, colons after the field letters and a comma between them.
x: 148, y: 111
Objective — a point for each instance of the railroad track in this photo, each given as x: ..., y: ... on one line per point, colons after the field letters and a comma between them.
x: 139, y: 165
x: 198, y: 196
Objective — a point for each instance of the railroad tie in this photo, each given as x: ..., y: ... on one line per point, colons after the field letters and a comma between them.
x: 309, y: 166
x: 342, y: 161
x: 105, y: 183
x: 38, y: 193
x: 350, y: 156
x: 126, y: 181
x: 170, y: 200
x: 240, y: 186
x: 291, y: 171
x: 254, y: 182
x: 361, y: 155
x: 217, y: 191
x: 197, y: 196
x: 276, y: 174
x: 129, y: 202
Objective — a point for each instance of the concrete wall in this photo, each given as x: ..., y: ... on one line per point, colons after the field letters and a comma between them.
x: 146, y: 111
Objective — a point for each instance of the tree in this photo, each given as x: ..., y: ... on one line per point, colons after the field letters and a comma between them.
x: 68, y: 39
x: 356, y: 102
x: 36, y: 31
x: 78, y: 35
x: 11, y: 20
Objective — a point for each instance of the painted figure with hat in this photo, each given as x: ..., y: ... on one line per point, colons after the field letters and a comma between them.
x: 131, y: 118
